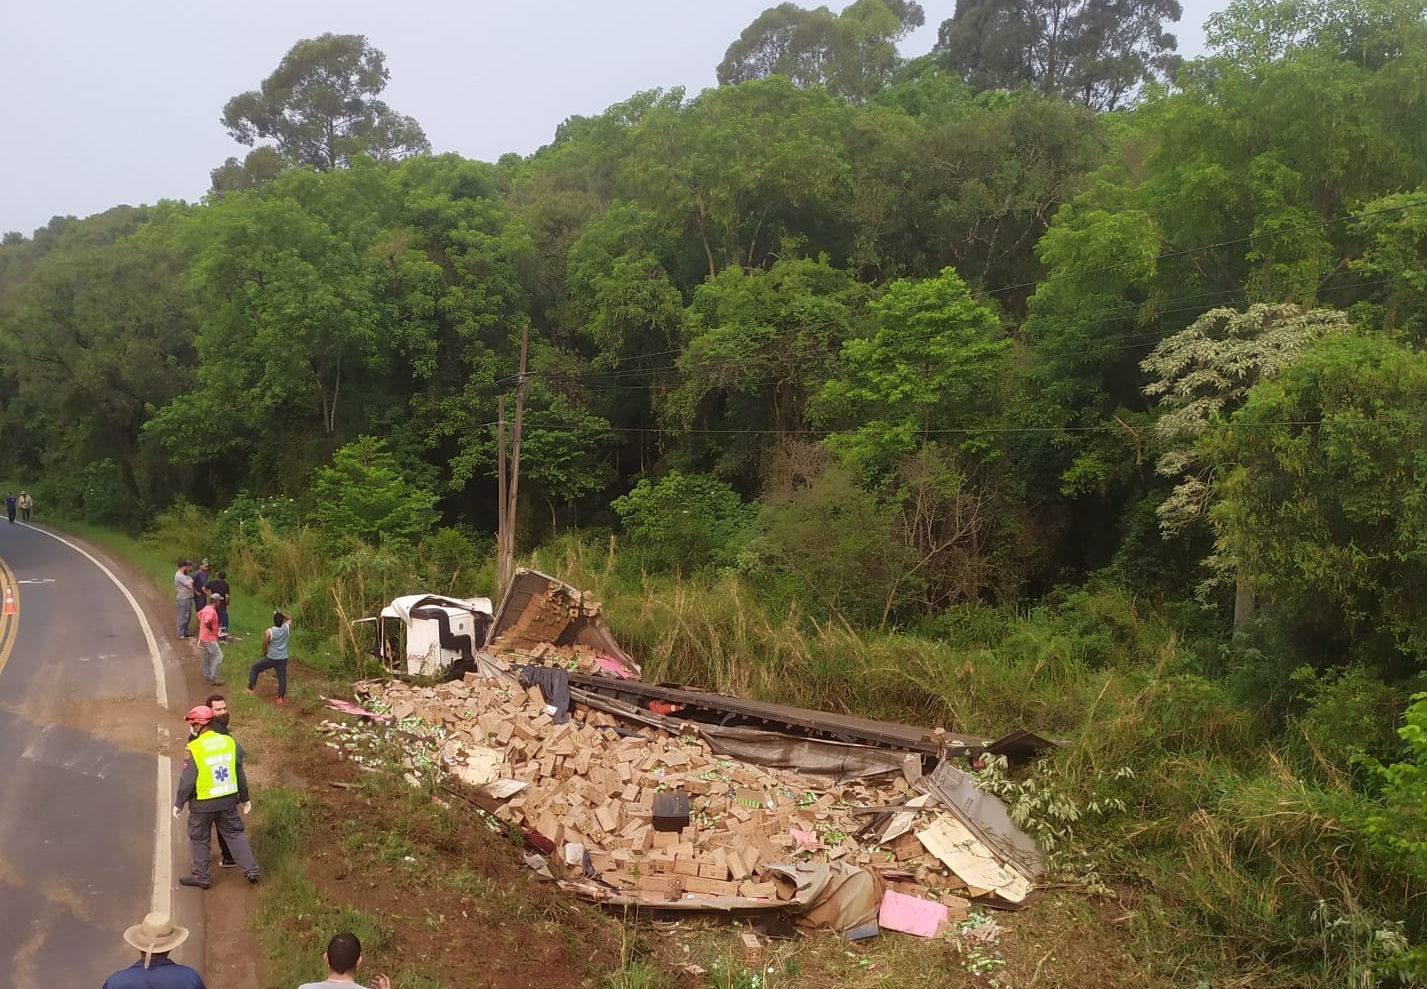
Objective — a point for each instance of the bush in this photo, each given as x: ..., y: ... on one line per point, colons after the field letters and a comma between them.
x: 364, y: 495
x: 833, y: 546
x: 106, y: 499
x: 683, y: 521
x: 1348, y: 713
x: 450, y: 560
x: 183, y: 530
x: 241, y: 522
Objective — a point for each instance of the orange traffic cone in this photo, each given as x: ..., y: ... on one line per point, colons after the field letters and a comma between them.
x: 10, y: 608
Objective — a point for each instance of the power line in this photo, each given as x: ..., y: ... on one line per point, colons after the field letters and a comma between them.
x: 974, y: 430
x: 592, y: 381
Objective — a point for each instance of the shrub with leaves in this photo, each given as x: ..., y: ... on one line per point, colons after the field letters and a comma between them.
x: 1048, y: 806
x: 364, y: 495
x: 240, y: 523
x: 683, y: 521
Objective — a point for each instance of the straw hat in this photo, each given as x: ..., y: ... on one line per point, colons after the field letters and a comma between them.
x: 157, y: 935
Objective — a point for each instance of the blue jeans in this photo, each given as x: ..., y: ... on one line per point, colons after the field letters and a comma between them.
x: 185, y: 612
x: 278, y: 666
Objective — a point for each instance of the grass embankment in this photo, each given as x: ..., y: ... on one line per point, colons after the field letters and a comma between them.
x: 1217, y: 857
x: 1227, y: 839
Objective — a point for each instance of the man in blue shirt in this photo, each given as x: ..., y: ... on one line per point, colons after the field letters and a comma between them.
x: 154, y: 939
x: 274, y: 658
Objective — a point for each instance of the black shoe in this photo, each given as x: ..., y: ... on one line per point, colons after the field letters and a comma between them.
x: 193, y: 881
x: 252, y: 880
x: 227, y: 864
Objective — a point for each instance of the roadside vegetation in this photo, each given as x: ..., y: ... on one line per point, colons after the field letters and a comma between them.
x: 986, y: 389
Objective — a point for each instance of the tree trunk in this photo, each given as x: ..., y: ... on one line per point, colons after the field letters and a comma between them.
x: 1243, y: 604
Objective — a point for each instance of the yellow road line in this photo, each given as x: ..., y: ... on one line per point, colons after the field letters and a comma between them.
x: 9, y: 624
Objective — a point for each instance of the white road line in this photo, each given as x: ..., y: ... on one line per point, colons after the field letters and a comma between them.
x: 162, y: 897
x: 163, y: 842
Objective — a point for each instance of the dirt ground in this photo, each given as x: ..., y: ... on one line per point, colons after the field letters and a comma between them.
x: 491, y: 923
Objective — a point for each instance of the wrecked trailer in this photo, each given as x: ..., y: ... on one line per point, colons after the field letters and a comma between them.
x: 663, y: 797
x: 632, y: 814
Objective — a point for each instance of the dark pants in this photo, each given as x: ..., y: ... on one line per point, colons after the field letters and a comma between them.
x: 223, y: 618
x: 278, y: 666
x: 25, y: 514
x: 223, y: 849
x: 200, y: 828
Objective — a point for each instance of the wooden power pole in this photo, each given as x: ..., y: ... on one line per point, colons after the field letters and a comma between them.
x: 508, y: 482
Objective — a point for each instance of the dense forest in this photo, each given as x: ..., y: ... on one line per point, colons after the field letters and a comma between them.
x: 1046, y: 333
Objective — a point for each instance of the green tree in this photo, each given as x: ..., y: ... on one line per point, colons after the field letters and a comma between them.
x: 851, y: 54
x: 1395, y: 256
x: 682, y: 521
x: 1256, y: 33
x: 932, y: 366
x: 320, y: 107
x: 98, y: 333
x: 1098, y: 52
x: 759, y: 345
x: 292, y: 309
x: 364, y: 494
x: 740, y: 170
x: 1321, y: 489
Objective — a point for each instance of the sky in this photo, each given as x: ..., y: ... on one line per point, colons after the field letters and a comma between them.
x: 109, y: 102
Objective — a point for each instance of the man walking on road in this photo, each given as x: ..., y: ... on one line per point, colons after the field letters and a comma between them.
x: 210, y: 654
x: 10, y: 506
x: 183, y: 591
x: 26, y: 503
x: 343, y: 956
x: 154, y: 939
x: 213, y: 786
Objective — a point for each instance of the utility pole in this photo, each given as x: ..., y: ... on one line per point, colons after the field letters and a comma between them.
x: 507, y: 487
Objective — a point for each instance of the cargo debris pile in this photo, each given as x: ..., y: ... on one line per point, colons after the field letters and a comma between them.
x: 636, y: 814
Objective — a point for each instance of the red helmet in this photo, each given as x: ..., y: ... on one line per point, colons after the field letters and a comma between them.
x: 200, y: 715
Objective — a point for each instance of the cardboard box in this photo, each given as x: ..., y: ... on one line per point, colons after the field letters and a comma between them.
x: 667, y: 886
x: 713, y: 870
x: 710, y: 887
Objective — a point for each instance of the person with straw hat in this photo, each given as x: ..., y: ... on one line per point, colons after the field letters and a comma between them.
x: 154, y: 938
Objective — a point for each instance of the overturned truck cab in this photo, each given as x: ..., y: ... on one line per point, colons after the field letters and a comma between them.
x: 432, y: 635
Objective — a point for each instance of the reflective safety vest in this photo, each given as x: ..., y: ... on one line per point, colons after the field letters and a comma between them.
x: 216, y: 757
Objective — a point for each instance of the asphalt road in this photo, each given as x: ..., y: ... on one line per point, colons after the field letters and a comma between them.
x: 82, y: 759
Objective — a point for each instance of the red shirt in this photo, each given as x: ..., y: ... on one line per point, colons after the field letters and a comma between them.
x: 208, y: 624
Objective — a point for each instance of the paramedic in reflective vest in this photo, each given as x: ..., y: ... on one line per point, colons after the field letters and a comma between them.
x: 213, y: 785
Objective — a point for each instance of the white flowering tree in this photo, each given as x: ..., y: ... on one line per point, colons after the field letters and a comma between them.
x: 1202, y: 375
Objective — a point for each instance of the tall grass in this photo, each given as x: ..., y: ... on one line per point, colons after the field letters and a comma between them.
x: 1234, y: 865
x: 1246, y: 869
